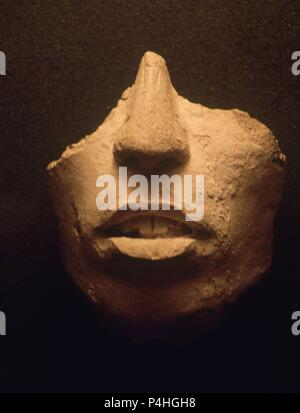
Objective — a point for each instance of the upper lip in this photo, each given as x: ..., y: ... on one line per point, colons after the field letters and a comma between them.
x: 153, y: 224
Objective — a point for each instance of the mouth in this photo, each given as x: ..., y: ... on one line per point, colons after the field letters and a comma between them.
x: 154, y: 235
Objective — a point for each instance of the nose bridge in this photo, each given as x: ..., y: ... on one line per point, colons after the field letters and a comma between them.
x: 152, y: 131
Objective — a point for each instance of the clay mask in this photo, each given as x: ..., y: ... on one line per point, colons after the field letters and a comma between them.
x: 152, y: 272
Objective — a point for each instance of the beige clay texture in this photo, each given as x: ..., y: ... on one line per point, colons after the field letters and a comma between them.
x: 172, y: 277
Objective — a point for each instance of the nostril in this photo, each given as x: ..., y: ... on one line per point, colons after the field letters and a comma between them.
x: 125, y: 157
x: 149, y: 159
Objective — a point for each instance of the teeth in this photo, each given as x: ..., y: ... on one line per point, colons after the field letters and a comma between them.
x: 151, y: 227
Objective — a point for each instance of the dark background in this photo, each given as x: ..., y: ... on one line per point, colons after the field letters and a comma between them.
x: 67, y: 64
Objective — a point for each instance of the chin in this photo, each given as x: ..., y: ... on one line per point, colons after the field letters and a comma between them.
x: 172, y: 299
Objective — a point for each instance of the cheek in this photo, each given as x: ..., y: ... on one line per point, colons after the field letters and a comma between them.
x: 251, y: 223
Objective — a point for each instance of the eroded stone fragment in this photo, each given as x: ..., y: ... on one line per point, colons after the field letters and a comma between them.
x: 151, y: 272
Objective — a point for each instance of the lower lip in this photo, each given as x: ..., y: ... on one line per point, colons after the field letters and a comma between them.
x: 152, y: 249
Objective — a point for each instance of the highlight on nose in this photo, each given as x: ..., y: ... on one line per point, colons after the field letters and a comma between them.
x: 152, y: 132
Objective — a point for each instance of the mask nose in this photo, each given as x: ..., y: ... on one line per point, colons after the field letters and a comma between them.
x: 152, y: 133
